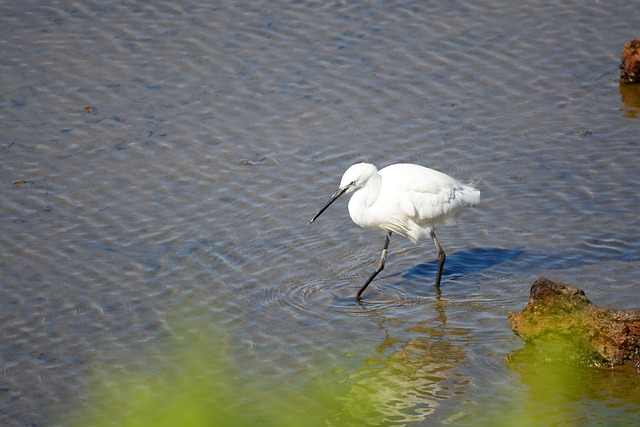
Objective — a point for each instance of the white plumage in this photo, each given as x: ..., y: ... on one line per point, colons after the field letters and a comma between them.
x: 407, y: 199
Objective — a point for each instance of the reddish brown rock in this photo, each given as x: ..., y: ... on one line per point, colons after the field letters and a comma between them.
x: 630, y: 64
x: 557, y: 312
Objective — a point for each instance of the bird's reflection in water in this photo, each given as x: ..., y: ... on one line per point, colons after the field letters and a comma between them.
x: 407, y: 379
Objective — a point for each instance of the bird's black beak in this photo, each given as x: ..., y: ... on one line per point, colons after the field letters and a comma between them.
x: 333, y: 198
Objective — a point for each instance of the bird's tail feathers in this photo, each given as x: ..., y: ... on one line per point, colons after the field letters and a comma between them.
x: 470, y: 196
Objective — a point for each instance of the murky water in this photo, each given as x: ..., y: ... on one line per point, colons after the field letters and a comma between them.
x: 160, y: 162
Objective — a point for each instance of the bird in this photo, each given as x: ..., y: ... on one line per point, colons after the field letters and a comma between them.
x: 403, y: 198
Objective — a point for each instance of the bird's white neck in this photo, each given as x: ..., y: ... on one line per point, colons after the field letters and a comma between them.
x: 364, y: 198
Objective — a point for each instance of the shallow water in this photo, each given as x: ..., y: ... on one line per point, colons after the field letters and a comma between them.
x: 160, y: 163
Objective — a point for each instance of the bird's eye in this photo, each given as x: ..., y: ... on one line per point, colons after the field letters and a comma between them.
x: 353, y: 183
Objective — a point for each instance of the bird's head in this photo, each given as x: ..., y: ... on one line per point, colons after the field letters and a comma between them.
x: 355, y: 177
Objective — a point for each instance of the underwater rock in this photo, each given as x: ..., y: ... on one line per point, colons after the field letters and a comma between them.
x: 556, y: 312
x: 630, y: 63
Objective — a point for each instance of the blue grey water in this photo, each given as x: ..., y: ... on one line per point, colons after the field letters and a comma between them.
x: 160, y: 162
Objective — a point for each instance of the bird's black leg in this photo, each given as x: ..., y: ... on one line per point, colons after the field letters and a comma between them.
x: 441, y: 257
x: 379, y: 268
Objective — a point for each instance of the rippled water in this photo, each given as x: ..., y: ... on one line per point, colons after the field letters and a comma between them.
x: 160, y: 162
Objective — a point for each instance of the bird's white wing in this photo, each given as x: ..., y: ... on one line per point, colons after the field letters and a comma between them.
x: 425, y: 198
x: 428, y: 207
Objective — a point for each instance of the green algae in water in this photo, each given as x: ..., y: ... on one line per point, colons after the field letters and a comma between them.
x: 196, y: 385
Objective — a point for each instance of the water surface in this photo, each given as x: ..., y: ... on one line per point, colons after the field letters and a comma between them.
x: 160, y: 162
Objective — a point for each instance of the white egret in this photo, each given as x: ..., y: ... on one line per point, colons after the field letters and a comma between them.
x: 407, y: 199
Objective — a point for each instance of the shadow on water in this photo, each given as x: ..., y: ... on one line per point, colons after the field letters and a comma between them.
x: 465, y: 262
x: 475, y: 260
